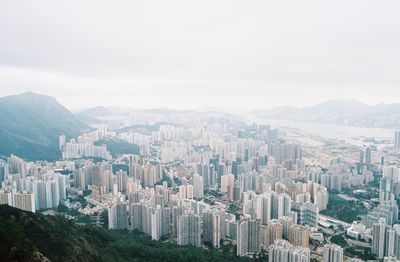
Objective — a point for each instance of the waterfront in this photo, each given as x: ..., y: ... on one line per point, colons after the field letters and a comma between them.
x: 356, y: 136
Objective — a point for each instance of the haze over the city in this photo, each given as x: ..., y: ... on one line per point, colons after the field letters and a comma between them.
x: 202, y: 130
x: 219, y: 54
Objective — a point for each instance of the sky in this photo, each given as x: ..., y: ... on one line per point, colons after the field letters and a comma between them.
x: 237, y: 55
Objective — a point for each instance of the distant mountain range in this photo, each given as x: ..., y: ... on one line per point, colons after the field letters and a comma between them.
x: 347, y: 112
x: 101, y: 115
x: 30, y: 125
x: 102, y: 111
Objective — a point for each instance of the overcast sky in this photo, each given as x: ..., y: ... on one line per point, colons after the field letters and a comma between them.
x: 207, y: 53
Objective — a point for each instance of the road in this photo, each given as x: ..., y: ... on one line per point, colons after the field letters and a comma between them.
x: 358, y: 243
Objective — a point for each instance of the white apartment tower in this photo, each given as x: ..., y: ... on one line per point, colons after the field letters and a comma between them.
x: 198, y: 186
x: 333, y: 253
x: 397, y: 140
x: 25, y: 200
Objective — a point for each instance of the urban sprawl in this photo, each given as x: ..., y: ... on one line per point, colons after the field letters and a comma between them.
x: 211, y: 183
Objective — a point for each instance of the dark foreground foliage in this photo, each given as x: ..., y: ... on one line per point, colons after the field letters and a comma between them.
x: 26, y: 236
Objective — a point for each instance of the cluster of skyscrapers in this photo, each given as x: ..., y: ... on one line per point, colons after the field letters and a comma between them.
x: 33, y: 188
x: 205, y: 185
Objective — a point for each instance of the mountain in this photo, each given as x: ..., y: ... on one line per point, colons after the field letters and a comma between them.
x: 98, y: 111
x: 26, y: 236
x: 114, y: 115
x: 341, y: 111
x: 30, y: 125
x: 338, y: 106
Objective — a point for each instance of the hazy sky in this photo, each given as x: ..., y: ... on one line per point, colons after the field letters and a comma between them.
x: 206, y: 53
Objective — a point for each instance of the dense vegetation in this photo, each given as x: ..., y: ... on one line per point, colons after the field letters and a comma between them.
x: 26, y: 236
x: 347, y: 211
x: 118, y: 147
x: 363, y: 253
x: 30, y: 125
x: 339, y: 240
x: 118, y: 167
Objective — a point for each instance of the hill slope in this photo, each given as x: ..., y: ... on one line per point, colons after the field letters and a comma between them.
x: 118, y: 147
x: 26, y: 236
x: 30, y: 125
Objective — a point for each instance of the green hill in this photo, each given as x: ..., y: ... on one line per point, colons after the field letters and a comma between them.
x: 118, y: 147
x: 30, y: 125
x: 26, y: 236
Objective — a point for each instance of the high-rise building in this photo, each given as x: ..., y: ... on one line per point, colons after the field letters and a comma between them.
x: 386, y: 240
x: 391, y: 172
x: 39, y: 190
x: 378, y: 238
x: 396, y: 250
x: 189, y: 191
x: 189, y: 229
x: 53, y: 192
x: 387, y: 210
x: 121, y: 177
x: 16, y: 165
x: 281, y: 205
x: 252, y: 204
x: 266, y: 208
x: 63, y: 184
x: 283, y: 251
x: 6, y: 197
x: 320, y: 196
x: 3, y: 170
x: 206, y: 173
x: 248, y: 237
x: 368, y: 158
x: 175, y: 213
x: 186, y: 191
x: 333, y: 253
x: 117, y: 216
x: 135, y: 216
x: 227, y: 184
x: 360, y: 164
x: 299, y: 235
x: 182, y: 191
x: 212, y: 225
x: 25, y: 200
x: 198, y: 186
x: 397, y: 140
x: 165, y: 221
x: 156, y: 226
x: 146, y: 218
x: 386, y: 189
x: 390, y: 242
x: 271, y: 232
x: 62, y: 141
x: 307, y: 213
x: 286, y: 223
x: 279, y: 251
x: 390, y: 259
